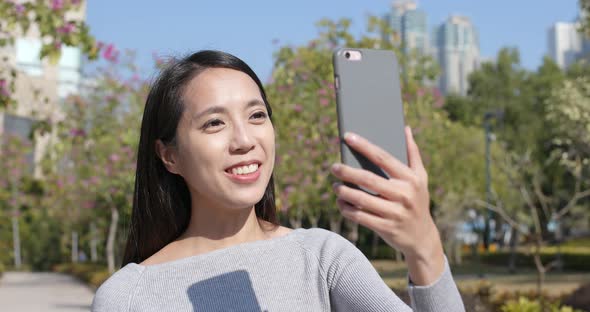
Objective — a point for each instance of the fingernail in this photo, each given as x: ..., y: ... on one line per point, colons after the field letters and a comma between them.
x: 350, y: 137
x: 336, y: 167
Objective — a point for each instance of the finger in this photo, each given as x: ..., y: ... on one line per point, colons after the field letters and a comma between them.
x: 361, y: 217
x: 366, y: 202
x: 391, y: 165
x: 414, y: 158
x: 391, y: 189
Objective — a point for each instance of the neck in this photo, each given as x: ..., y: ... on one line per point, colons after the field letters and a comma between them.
x: 213, y: 227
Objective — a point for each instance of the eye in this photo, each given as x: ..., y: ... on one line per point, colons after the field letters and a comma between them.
x: 259, y: 115
x: 212, y: 124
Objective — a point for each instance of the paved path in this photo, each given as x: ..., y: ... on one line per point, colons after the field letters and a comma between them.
x: 51, y: 292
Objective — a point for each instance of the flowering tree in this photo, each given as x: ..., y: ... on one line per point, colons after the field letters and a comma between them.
x: 16, y: 154
x: 98, y: 139
x: 55, y: 26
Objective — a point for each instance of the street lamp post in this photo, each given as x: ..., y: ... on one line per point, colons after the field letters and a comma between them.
x: 498, y: 114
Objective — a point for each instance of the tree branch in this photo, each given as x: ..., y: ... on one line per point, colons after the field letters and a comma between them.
x: 571, y: 204
x: 502, y: 214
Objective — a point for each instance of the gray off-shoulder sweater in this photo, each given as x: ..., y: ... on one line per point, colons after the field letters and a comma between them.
x: 304, y: 270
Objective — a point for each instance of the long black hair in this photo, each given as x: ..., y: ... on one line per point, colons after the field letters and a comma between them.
x: 161, y: 200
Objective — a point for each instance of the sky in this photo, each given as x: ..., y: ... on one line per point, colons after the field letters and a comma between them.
x: 251, y: 29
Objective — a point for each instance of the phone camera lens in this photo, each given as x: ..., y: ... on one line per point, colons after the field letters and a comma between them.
x: 347, y: 55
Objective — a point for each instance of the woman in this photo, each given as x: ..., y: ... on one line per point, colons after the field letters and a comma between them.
x: 204, y: 234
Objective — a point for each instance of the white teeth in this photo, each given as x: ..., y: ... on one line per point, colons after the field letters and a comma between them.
x: 245, y: 169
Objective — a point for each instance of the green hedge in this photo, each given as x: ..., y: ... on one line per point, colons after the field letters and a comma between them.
x: 92, y: 274
x: 574, y: 261
x: 2, y: 268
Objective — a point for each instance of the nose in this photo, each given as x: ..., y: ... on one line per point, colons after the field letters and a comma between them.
x: 242, y: 140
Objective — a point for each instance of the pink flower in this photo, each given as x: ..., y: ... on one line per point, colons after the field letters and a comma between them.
x: 298, y: 108
x: 114, y: 157
x: 420, y: 92
x: 75, y: 132
x: 322, y: 91
x: 93, y: 180
x: 439, y: 102
x: 110, y: 53
x: 14, y: 172
x: 19, y: 8
x: 57, y: 5
x: 4, y: 88
x: 326, y: 120
x: 324, y: 102
x: 436, y: 92
x: 66, y: 29
x: 289, y: 189
x: 88, y: 205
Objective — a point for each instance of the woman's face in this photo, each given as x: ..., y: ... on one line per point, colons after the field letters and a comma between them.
x: 225, y: 140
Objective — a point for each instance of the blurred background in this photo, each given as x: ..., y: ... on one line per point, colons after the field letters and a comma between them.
x: 497, y: 94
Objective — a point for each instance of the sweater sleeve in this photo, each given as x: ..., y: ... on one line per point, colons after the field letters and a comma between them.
x: 355, y: 285
x: 116, y: 293
x: 441, y: 295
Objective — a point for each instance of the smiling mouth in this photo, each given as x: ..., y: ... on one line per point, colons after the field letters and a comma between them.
x: 243, y: 170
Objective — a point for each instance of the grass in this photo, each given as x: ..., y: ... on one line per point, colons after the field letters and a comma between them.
x: 467, y: 275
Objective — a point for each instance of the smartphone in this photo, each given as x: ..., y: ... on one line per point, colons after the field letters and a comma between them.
x: 369, y: 103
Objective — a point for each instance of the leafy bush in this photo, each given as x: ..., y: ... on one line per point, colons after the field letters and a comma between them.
x: 92, y: 274
x: 575, y: 260
x: 525, y: 305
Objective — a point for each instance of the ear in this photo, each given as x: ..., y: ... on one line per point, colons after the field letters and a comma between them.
x: 168, y: 156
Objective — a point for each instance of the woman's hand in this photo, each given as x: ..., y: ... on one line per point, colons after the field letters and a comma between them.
x: 400, y: 215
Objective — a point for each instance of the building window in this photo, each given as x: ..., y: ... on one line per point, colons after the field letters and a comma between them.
x: 27, y: 56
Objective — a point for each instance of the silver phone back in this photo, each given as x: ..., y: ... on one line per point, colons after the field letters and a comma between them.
x: 369, y: 103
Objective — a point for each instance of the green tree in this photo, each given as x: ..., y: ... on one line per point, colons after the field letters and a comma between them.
x: 302, y: 94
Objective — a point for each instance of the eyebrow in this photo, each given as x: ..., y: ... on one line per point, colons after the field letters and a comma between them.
x: 221, y: 109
